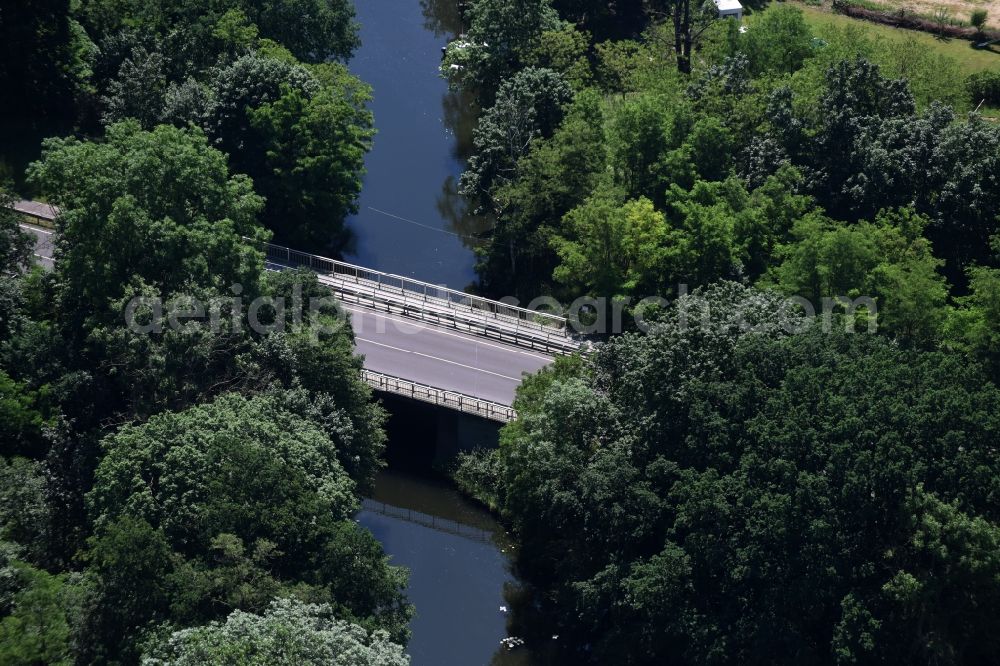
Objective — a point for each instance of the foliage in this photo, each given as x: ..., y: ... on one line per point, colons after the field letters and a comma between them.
x: 139, y: 90
x: 889, y: 261
x: 301, y: 134
x: 554, y: 177
x: 616, y: 246
x: 499, y: 41
x: 38, y: 628
x: 529, y: 106
x: 722, y: 491
x: 205, y: 471
x: 973, y: 325
x: 978, y: 18
x: 289, y: 633
x: 564, y: 52
x: 25, y: 515
x: 779, y: 42
x: 315, y: 149
x: 984, y: 87
x: 156, y: 206
x: 225, y: 505
x: 313, y: 30
x: 21, y: 419
x: 15, y: 244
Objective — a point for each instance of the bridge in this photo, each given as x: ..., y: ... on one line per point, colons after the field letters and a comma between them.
x: 419, y: 340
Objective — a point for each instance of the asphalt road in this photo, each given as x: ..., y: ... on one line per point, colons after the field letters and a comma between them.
x: 441, y: 357
x: 417, y: 351
x: 43, y: 244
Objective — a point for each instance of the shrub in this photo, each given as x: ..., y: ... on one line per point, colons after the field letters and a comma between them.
x: 984, y: 86
x: 978, y: 19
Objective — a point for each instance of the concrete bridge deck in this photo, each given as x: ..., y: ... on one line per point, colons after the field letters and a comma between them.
x: 431, y: 358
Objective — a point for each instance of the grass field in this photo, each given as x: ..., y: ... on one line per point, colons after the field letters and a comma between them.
x: 969, y: 59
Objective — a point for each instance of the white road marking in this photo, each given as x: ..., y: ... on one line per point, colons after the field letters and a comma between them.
x: 439, y: 331
x: 408, y: 322
x: 437, y: 358
x: 34, y: 228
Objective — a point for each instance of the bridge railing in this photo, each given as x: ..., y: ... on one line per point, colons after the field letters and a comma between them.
x: 441, y: 397
x: 412, y: 298
x: 430, y: 302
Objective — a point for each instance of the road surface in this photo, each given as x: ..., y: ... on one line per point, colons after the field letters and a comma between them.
x: 413, y: 350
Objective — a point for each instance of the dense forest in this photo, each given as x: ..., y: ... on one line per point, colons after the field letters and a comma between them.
x: 745, y: 483
x: 738, y: 482
x: 185, y: 495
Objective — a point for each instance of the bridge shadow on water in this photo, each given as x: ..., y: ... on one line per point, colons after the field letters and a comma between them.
x: 462, y: 580
x: 424, y: 438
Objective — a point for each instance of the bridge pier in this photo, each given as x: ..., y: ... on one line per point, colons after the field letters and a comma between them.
x: 424, y: 437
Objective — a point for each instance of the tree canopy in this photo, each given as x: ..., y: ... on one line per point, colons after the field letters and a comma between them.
x: 722, y: 491
x: 289, y: 633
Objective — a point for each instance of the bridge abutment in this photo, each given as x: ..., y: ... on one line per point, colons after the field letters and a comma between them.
x: 426, y: 437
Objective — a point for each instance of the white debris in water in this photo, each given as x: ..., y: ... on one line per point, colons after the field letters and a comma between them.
x: 512, y: 642
x: 503, y: 609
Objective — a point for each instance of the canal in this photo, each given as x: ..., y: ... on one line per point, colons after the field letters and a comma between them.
x: 412, y: 222
x: 460, y: 578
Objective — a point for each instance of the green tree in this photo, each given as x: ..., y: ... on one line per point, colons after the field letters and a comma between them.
x: 857, y: 96
x: 38, y: 629
x: 289, y: 633
x: 139, y: 90
x: 315, y: 149
x: 301, y: 134
x: 782, y: 25
x: 555, y: 176
x: 565, y: 52
x: 528, y: 107
x: 129, y: 565
x: 889, y: 261
x: 25, y: 514
x: 258, y: 469
x: 215, y: 468
x: 973, y: 325
x: 720, y: 490
x: 498, y: 43
x: 978, y: 19
x: 611, y: 249
x: 689, y: 20
x: 314, y: 30
x: 156, y: 206
x: 15, y: 245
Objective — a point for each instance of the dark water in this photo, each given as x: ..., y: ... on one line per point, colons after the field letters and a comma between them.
x: 459, y: 570
x: 411, y: 221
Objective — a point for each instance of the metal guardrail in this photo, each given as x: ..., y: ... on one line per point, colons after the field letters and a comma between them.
x: 426, y: 290
x: 43, y: 212
x: 436, y: 396
x: 430, y: 302
x: 412, y: 298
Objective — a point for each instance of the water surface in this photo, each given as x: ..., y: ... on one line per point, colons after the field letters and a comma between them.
x: 460, y: 570
x: 411, y: 221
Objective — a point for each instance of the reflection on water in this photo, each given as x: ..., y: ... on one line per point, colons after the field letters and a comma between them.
x: 460, y: 578
x: 443, y: 17
x: 411, y: 220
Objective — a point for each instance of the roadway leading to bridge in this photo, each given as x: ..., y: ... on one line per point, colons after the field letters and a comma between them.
x: 440, y: 357
x: 417, y: 351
